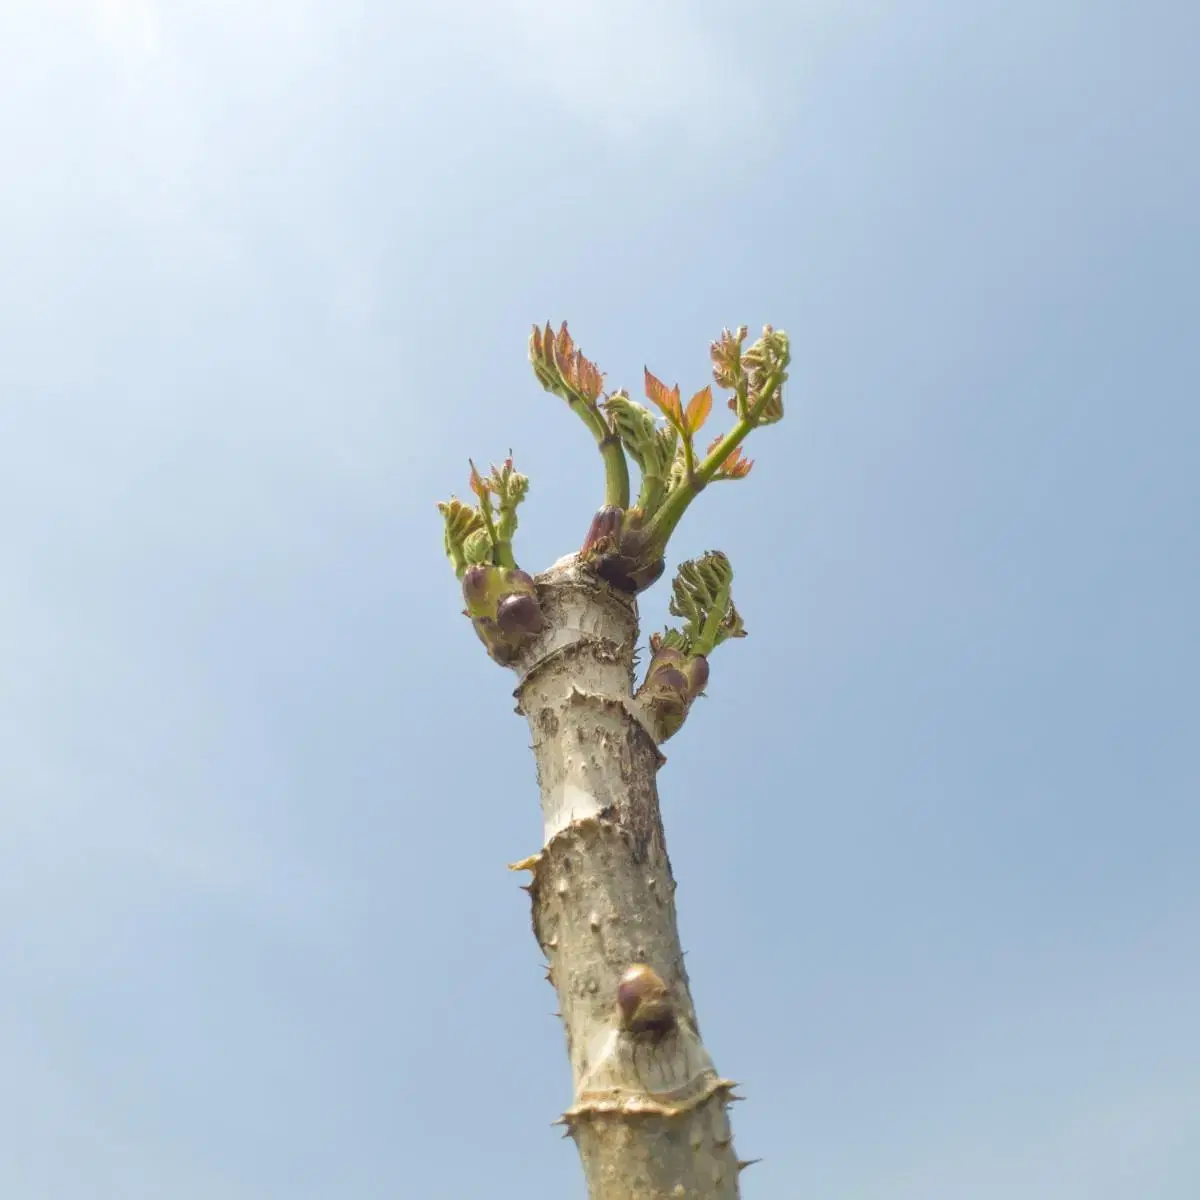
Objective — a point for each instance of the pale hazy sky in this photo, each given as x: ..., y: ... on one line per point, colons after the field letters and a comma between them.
x: 266, y: 275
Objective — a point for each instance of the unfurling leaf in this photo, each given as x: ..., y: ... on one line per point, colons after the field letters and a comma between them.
x: 588, y: 378
x: 461, y: 522
x: 509, y: 487
x: 670, y: 638
x: 698, y: 408
x: 765, y: 369
x: 508, y: 484
x: 483, y: 534
x: 701, y: 595
x: 561, y: 367
x: 731, y: 626
x: 479, y: 485
x: 726, y: 354
x: 460, y: 518
x: 650, y: 443
x: 735, y: 466
x: 664, y: 398
x: 477, y: 548
x: 678, y: 670
x: 634, y: 425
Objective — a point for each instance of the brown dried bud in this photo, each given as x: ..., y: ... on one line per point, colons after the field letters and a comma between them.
x: 644, y: 1003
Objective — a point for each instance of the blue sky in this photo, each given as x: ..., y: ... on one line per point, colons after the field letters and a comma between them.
x: 268, y: 273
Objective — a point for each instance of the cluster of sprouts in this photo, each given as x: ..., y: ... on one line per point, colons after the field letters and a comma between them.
x: 627, y: 538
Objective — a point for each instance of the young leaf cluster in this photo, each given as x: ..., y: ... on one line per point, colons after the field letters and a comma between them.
x: 501, y: 599
x: 678, y: 670
x: 662, y: 442
x: 626, y: 541
x: 702, y: 595
x: 483, y: 533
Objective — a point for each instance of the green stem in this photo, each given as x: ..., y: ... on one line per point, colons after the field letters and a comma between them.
x: 485, y: 511
x: 689, y: 454
x: 664, y: 522
x: 740, y: 387
x: 616, y: 470
x: 651, y: 494
x: 706, y: 641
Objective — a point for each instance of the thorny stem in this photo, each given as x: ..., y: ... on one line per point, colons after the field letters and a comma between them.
x: 649, y: 1108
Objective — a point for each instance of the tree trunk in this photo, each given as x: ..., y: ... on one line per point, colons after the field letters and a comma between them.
x: 649, y: 1112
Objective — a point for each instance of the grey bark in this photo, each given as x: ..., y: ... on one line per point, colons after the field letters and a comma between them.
x: 649, y: 1112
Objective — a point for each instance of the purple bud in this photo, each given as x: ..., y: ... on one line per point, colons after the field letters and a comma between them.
x: 670, y: 712
x: 648, y: 575
x: 698, y: 674
x: 668, y: 677
x: 520, y: 614
x: 643, y: 1002
x: 667, y: 654
x: 603, y: 531
x: 475, y: 585
x: 515, y: 576
x: 488, y: 633
x: 614, y: 570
